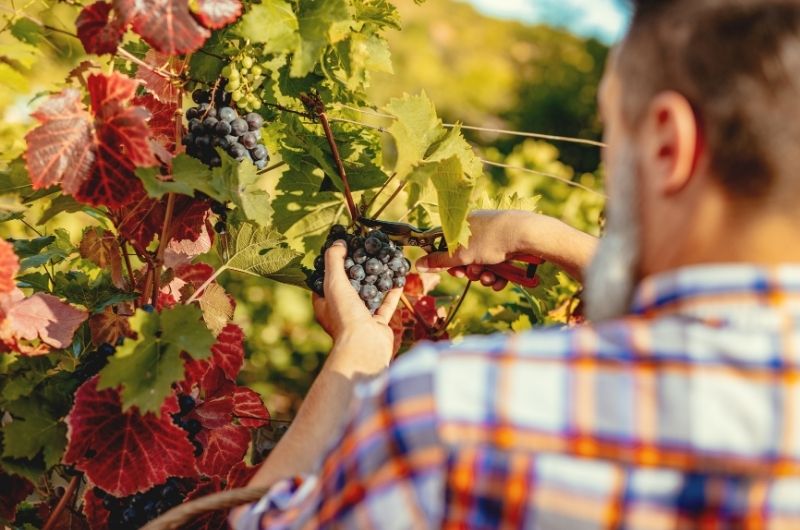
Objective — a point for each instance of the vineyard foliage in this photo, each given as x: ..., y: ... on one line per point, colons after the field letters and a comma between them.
x: 132, y: 273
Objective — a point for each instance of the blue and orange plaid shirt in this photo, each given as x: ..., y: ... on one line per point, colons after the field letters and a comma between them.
x: 685, y: 414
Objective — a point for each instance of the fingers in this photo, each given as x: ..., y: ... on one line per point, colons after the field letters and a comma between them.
x: 336, y: 281
x: 474, y: 272
x: 388, y: 307
x: 488, y: 279
x: 439, y: 260
x: 500, y: 284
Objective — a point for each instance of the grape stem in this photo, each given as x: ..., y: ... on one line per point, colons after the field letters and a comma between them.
x: 315, y: 104
x: 127, y: 258
x: 451, y: 315
x: 62, y: 503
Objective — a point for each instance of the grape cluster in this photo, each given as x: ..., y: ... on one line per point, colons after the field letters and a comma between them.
x: 244, y: 77
x: 92, y: 362
x: 374, y: 264
x: 190, y: 425
x: 217, y: 124
x: 137, y: 510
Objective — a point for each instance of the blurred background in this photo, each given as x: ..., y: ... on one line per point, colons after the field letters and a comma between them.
x: 524, y: 65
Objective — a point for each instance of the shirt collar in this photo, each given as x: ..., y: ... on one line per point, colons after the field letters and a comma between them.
x: 712, y: 282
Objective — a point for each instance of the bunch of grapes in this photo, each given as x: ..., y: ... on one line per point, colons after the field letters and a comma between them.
x: 213, y: 125
x: 92, y: 362
x: 244, y: 78
x: 374, y: 264
x: 137, y: 510
x: 190, y: 425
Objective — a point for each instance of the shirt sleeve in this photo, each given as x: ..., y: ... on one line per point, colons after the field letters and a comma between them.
x: 387, y: 464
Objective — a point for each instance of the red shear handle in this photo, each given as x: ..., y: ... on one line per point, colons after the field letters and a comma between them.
x: 524, y: 276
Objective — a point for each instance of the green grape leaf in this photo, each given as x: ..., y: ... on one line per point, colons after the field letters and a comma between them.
x: 239, y: 182
x: 256, y: 251
x: 147, y: 367
x: 206, y: 63
x: 93, y: 294
x: 157, y: 188
x: 272, y: 23
x: 27, y: 31
x: 38, y: 281
x: 321, y: 23
x: 454, y: 189
x: 61, y: 204
x: 217, y: 308
x: 415, y: 129
x: 33, y: 429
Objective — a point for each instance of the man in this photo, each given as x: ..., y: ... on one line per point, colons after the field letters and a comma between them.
x: 678, y: 407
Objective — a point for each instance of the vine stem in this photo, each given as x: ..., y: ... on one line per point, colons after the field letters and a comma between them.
x: 62, y: 503
x: 273, y: 167
x: 122, y: 52
x: 454, y: 311
x: 391, y: 198
x: 125, y: 256
x: 315, y: 105
x: 199, y: 291
x: 375, y: 197
x: 162, y: 246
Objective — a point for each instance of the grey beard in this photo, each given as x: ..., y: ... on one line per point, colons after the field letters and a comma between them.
x: 610, y: 279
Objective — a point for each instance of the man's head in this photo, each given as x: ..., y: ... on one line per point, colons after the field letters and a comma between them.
x: 701, y: 104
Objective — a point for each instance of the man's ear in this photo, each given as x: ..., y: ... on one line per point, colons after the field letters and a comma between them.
x: 669, y: 137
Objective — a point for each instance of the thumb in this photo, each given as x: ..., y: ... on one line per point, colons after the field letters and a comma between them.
x: 440, y: 260
x: 335, y: 278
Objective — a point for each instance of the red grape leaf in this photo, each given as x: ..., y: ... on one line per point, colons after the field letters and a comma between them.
x: 248, y: 408
x: 215, y: 412
x: 223, y: 447
x: 238, y: 477
x: 162, y: 87
x: 13, y: 490
x: 190, y: 217
x: 162, y: 119
x: 125, y: 453
x: 98, y: 32
x: 109, y: 327
x: 165, y: 301
x: 141, y: 220
x: 166, y: 25
x: 9, y: 266
x: 102, y: 248
x: 182, y: 252
x: 195, y: 275
x: 96, y: 513
x: 61, y: 149
x: 43, y: 317
x: 227, y: 354
x: 217, y: 14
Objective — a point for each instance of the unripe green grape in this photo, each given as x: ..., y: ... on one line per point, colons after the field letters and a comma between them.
x: 256, y: 105
x: 228, y: 87
x: 226, y: 71
x: 247, y: 62
x: 244, y: 71
x: 234, y: 83
x: 256, y: 70
x: 237, y: 95
x: 233, y: 75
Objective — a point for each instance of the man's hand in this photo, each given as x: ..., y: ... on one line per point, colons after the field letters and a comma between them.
x: 363, y: 343
x: 496, y: 235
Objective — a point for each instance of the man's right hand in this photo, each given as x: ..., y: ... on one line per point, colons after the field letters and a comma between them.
x: 497, y: 235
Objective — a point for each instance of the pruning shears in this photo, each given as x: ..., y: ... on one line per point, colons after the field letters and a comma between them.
x: 520, y: 269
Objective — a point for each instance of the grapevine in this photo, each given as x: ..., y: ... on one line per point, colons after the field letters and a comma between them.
x: 117, y: 335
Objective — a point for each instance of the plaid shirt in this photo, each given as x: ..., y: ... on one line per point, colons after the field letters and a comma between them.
x: 685, y: 414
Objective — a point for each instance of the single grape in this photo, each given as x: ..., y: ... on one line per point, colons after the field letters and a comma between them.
x: 259, y: 152
x: 237, y: 151
x: 337, y: 232
x: 202, y: 142
x: 195, y: 126
x: 373, y: 266
x: 193, y: 426
x: 148, y: 308
x: 198, y: 448
x: 348, y: 262
x: 220, y: 227
x: 356, y: 243
x: 261, y: 164
x: 396, y: 264
x: 223, y: 142
x: 373, y: 245
x: 106, y: 349
x: 223, y: 128
x: 236, y: 95
x: 256, y: 70
x: 368, y: 291
x: 357, y: 273
x: 248, y: 140
x: 210, y: 123
x: 360, y: 256
x: 256, y: 105
x: 238, y: 127
x: 201, y: 96
x: 215, y: 161
x: 356, y: 285
x: 399, y: 281
x: 384, y: 284
x: 219, y: 208
x: 191, y: 113
x: 387, y: 273
x: 319, y: 262
x: 319, y: 286
x: 254, y: 121
x: 227, y: 114
x: 371, y: 279
x: 385, y: 254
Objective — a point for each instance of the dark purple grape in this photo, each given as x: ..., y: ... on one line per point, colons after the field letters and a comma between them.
x: 238, y: 127
x: 223, y: 142
x: 210, y: 123
x: 227, y: 114
x: 223, y: 128
x: 220, y: 227
x: 398, y: 254
x: 371, y: 278
x: 201, y: 96
x: 261, y: 164
x: 399, y: 281
x: 191, y: 113
x: 396, y: 264
x: 106, y: 349
x: 248, y: 140
x: 356, y: 243
x: 202, y: 143
x: 186, y: 403
x: 348, y: 262
x: 237, y: 151
x: 192, y: 426
x: 356, y: 285
x: 385, y: 255
x: 215, y: 161
x: 319, y: 262
x: 357, y: 273
x: 319, y: 286
x: 219, y: 208
x: 387, y: 273
x: 368, y: 292
x: 254, y: 121
x: 198, y: 448
x: 259, y: 152
x: 384, y: 284
x: 359, y: 256
x: 205, y: 110
x: 338, y: 232
x: 373, y: 266
x: 195, y: 126
x: 373, y: 245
